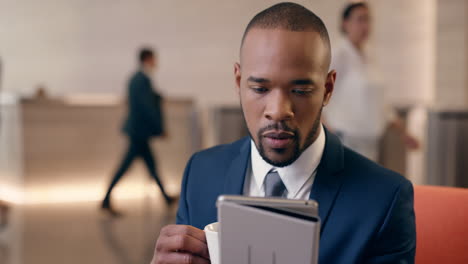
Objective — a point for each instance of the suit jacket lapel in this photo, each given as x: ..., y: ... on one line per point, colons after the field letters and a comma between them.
x: 235, y: 176
x: 326, y: 184
x: 328, y: 180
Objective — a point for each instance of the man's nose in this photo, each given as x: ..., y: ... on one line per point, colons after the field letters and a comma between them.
x: 279, y: 106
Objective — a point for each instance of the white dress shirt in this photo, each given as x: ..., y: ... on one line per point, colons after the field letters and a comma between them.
x: 358, y: 110
x: 297, y: 177
x: 357, y: 107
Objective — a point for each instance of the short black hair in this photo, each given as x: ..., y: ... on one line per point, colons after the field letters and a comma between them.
x: 288, y: 16
x: 348, y: 10
x: 144, y: 54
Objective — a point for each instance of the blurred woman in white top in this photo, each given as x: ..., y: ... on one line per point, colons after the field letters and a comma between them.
x: 358, y: 113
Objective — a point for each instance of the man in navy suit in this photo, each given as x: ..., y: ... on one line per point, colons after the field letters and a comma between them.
x: 144, y: 121
x: 283, y: 81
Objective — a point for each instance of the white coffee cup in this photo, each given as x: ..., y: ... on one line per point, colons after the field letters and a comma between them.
x: 212, y: 239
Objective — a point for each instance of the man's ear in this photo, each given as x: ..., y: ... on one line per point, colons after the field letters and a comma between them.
x: 329, y: 86
x: 237, y: 75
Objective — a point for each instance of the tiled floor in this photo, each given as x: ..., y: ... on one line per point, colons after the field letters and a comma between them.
x: 79, y: 233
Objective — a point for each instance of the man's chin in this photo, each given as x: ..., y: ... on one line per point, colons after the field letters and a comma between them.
x: 279, y: 157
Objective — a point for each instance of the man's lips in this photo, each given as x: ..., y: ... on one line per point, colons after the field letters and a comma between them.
x: 278, y: 134
x: 278, y: 139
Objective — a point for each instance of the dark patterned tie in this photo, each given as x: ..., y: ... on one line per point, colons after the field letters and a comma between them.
x: 274, y: 186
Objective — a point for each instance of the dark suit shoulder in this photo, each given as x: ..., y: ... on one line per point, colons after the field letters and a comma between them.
x: 139, y: 75
x: 370, y: 179
x: 138, y: 79
x: 372, y: 216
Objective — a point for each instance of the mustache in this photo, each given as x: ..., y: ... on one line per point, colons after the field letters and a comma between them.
x: 277, y: 126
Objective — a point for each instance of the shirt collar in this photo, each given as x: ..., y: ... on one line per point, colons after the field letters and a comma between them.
x: 295, y: 175
x: 353, y: 51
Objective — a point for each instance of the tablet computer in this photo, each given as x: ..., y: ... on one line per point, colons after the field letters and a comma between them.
x: 257, y: 230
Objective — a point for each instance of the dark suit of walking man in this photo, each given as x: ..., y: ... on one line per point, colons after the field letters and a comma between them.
x: 145, y: 120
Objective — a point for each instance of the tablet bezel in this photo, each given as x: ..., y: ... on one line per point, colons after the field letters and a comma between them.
x: 305, y: 208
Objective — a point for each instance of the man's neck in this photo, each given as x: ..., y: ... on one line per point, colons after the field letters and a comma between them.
x: 148, y: 71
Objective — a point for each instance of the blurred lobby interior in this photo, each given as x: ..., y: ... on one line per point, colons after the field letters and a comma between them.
x: 65, y: 65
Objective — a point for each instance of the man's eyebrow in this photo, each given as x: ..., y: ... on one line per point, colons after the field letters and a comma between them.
x: 302, y: 82
x: 257, y: 79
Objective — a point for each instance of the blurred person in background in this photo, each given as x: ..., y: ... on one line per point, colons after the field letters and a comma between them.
x: 4, y: 207
x: 358, y: 113
x: 145, y: 120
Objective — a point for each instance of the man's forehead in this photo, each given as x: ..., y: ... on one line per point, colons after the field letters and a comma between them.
x: 255, y: 36
x: 283, y: 46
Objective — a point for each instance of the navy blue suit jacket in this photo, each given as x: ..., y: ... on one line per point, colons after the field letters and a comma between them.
x: 366, y: 211
x: 145, y: 115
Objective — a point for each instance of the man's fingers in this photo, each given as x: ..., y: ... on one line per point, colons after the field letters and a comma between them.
x: 186, y: 243
x: 181, y: 244
x: 194, y: 232
x: 185, y: 258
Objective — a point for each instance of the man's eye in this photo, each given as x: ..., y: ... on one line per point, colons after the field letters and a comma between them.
x: 259, y: 89
x: 302, y: 91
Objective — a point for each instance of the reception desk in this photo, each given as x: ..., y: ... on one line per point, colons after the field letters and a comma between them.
x: 68, y: 149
